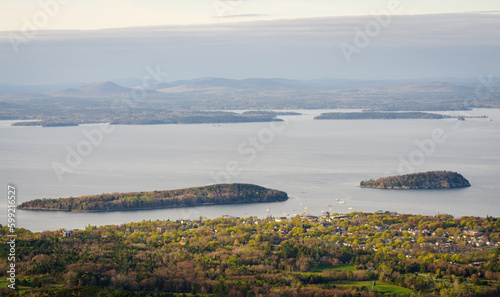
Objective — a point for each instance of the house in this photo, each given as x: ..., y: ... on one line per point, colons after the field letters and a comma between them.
x: 472, y: 232
x: 66, y: 233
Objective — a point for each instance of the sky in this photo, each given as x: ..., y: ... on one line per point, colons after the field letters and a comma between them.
x: 99, y: 14
x: 56, y: 41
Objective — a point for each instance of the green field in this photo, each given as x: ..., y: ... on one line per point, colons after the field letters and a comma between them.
x: 4, y: 284
x: 379, y: 287
x: 386, y: 288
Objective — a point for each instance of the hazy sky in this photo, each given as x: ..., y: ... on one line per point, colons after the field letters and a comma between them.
x: 98, y: 14
x: 247, y: 38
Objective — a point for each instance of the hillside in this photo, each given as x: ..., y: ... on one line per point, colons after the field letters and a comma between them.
x: 209, y: 195
x: 357, y: 254
x: 426, y: 180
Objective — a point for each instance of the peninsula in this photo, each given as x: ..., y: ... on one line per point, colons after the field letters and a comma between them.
x: 209, y: 195
x: 425, y: 180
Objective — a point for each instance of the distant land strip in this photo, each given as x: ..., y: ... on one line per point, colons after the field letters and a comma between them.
x: 370, y: 115
x: 159, y: 118
x: 190, y: 197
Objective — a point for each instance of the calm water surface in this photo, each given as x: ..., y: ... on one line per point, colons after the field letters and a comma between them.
x: 315, y: 162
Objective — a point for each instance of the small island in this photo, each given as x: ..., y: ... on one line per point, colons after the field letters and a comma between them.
x: 200, y: 196
x: 425, y: 180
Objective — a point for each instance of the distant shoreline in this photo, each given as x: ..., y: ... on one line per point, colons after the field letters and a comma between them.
x: 375, y: 115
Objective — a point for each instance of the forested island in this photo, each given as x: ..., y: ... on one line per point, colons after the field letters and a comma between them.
x: 152, y: 117
x: 351, y: 255
x: 195, y: 117
x: 46, y: 124
x: 371, y: 115
x: 209, y: 195
x: 424, y: 180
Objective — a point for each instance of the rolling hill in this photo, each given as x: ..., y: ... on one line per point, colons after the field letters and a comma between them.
x: 95, y: 90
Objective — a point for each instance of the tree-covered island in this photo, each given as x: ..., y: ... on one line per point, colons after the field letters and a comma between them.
x: 148, y: 117
x: 424, y: 180
x: 209, y: 195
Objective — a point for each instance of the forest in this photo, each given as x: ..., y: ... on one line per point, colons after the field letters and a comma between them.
x: 424, y: 180
x: 199, y: 196
x: 356, y: 254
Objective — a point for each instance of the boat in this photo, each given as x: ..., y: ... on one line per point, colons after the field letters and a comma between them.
x: 341, y: 202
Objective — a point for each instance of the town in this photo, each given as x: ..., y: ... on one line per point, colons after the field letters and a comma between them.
x: 368, y: 254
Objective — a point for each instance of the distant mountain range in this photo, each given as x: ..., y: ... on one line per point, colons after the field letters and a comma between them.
x: 209, y: 83
x: 223, y: 85
x: 99, y: 89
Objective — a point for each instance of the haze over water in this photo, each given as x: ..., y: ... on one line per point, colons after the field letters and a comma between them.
x: 315, y: 162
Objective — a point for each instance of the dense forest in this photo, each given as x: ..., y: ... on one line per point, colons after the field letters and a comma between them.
x: 370, y: 115
x: 209, y: 195
x: 424, y: 180
x: 356, y: 254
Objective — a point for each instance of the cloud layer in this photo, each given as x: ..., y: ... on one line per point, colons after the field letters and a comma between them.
x: 405, y: 47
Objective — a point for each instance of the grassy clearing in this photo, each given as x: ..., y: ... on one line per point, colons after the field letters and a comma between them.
x: 359, y: 284
x: 5, y: 283
x: 386, y: 288
x: 379, y: 287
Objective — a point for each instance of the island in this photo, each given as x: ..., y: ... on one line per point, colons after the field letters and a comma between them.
x: 370, y: 115
x: 199, y: 196
x: 424, y: 180
x: 45, y: 124
x: 194, y: 117
x: 150, y: 117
